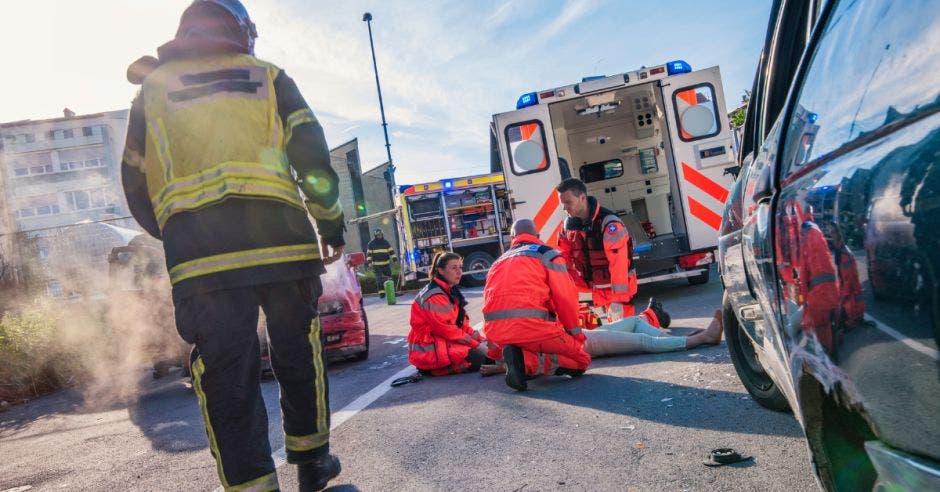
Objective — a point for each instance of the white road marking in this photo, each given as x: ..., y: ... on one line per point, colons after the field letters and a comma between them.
x: 904, y: 339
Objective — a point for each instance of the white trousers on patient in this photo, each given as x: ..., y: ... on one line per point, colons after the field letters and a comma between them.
x: 633, y: 335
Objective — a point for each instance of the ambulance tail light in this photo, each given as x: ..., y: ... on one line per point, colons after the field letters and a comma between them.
x: 527, y: 99
x: 677, y: 67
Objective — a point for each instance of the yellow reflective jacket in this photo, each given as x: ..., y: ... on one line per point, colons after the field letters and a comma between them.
x: 203, y: 145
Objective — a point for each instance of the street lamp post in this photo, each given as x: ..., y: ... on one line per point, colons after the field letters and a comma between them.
x: 390, y: 172
x: 367, y: 18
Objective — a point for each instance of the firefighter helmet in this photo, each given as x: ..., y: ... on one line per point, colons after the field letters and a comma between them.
x: 235, y: 23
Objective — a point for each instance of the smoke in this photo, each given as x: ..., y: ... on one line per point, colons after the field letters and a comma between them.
x: 113, y: 317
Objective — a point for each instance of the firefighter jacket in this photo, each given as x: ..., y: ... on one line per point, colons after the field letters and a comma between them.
x: 529, y: 295
x: 215, y: 141
x: 379, y: 252
x: 600, y: 255
x: 439, y: 336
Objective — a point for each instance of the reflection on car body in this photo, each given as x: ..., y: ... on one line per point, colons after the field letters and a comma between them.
x: 829, y: 248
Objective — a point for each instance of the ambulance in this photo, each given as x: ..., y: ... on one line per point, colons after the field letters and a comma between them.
x: 653, y: 145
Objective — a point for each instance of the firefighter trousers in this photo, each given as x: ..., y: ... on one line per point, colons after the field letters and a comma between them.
x: 226, y: 369
x: 544, y: 357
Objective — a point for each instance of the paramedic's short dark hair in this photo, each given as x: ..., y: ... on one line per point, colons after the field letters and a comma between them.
x: 572, y: 184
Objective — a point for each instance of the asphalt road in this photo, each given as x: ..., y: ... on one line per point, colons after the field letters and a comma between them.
x: 639, y: 422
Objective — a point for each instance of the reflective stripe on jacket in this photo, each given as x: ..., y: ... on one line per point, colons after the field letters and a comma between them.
x: 213, y: 132
x: 529, y: 295
x: 600, y: 257
x: 438, y: 339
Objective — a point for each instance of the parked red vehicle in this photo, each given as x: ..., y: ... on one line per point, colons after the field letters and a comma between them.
x: 342, y: 315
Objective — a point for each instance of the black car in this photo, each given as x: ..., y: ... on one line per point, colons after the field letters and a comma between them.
x: 830, y: 242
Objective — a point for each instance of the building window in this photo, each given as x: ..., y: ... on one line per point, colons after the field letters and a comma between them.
x: 50, y: 135
x: 30, y: 138
x: 69, y: 133
x: 86, y: 131
x: 88, y: 199
x: 21, y: 171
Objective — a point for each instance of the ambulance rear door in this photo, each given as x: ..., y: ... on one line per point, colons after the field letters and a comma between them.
x: 699, y: 140
x: 530, y: 164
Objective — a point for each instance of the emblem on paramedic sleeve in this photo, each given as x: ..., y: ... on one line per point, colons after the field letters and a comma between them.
x: 612, y: 228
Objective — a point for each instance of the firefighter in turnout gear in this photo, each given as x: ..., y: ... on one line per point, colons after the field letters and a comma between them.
x: 441, y: 341
x: 219, y: 146
x: 379, y: 254
x: 599, y: 252
x: 530, y: 308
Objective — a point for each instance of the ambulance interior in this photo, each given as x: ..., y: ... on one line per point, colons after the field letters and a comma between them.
x: 614, y: 142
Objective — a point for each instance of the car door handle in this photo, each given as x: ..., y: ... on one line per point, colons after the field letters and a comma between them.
x: 764, y: 187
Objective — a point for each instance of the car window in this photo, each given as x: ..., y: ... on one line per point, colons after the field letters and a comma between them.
x: 527, y: 152
x: 874, y: 64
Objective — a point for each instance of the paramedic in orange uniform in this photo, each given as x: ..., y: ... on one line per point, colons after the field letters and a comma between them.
x: 441, y: 340
x: 530, y: 308
x: 599, y: 252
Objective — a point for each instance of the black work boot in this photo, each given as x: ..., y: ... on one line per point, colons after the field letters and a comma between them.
x: 314, y: 475
x: 564, y: 371
x: 515, y: 368
x: 661, y: 314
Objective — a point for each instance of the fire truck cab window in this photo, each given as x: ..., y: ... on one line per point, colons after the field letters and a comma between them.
x: 527, y: 151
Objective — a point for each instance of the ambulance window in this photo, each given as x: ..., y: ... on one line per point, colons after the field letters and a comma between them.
x: 527, y: 152
x: 696, y: 112
x: 600, y: 171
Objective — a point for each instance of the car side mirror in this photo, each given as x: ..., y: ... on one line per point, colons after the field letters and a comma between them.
x: 356, y: 259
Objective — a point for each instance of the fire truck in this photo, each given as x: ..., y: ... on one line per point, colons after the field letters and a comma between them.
x: 653, y: 145
x: 469, y: 215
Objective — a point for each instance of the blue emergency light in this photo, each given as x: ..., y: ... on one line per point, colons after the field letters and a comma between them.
x: 526, y: 100
x: 593, y: 77
x: 677, y: 67
x: 812, y: 117
x: 448, y: 184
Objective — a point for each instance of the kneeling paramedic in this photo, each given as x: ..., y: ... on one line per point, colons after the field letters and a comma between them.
x: 214, y: 141
x: 441, y: 340
x: 530, y: 308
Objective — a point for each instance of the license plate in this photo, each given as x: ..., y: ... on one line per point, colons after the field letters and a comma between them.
x: 334, y: 337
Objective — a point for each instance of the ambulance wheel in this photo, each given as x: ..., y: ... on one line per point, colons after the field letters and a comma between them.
x: 365, y: 324
x: 478, y: 260
x: 700, y: 279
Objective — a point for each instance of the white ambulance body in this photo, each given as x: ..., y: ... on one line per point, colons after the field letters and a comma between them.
x: 652, y: 145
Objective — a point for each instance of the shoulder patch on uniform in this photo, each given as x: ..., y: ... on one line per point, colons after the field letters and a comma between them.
x: 611, y: 228
x: 532, y: 247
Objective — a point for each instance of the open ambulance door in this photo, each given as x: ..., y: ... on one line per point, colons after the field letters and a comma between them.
x: 701, y: 148
x: 530, y: 164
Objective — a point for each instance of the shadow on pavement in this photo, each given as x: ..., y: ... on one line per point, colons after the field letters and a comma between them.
x: 650, y: 400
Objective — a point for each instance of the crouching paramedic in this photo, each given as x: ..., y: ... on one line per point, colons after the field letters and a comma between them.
x: 530, y: 308
x: 441, y: 341
x: 599, y: 252
x: 213, y: 141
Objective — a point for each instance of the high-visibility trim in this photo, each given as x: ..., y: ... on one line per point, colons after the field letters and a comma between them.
x: 323, y: 213
x: 519, y: 313
x: 201, y: 199
x: 421, y: 347
x: 322, y: 405
x: 548, y: 208
x: 243, y: 259
x: 821, y: 279
x: 705, y: 214
x: 532, y: 252
x: 466, y: 340
x: 619, y: 287
x: 199, y: 368
x: 298, y: 118
x: 553, y: 363
x: 380, y: 263
x: 437, y: 308
x: 306, y: 443
x: 704, y: 183
x: 574, y: 331
x: 265, y: 483
x: 158, y: 136
x: 230, y: 169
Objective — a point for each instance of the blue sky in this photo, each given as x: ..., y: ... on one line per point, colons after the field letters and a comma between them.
x: 445, y: 66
